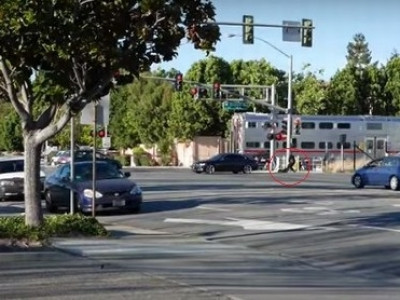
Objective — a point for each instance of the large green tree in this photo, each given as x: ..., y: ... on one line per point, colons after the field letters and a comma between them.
x: 310, y: 94
x: 392, y: 86
x: 77, y: 46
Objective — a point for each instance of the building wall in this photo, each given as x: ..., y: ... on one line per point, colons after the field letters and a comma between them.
x: 202, y: 147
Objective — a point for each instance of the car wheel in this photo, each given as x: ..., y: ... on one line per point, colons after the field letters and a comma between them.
x: 247, y: 169
x: 358, y: 182
x: 49, y: 203
x: 210, y: 169
x: 235, y: 172
x: 394, y: 183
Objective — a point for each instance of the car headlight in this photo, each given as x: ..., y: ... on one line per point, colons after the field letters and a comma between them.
x: 6, y: 183
x: 201, y: 164
x: 89, y: 193
x: 136, y: 190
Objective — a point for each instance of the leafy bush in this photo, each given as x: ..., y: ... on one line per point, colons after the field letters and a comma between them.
x: 53, y: 226
x: 123, y: 159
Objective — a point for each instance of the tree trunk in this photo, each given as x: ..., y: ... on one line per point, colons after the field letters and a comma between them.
x: 33, y: 203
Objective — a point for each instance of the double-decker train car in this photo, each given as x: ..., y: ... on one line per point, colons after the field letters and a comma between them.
x: 319, y: 136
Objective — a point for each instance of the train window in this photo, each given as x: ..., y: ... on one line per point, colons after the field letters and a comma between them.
x: 374, y: 126
x: 369, y: 144
x: 380, y: 144
x: 343, y: 125
x: 324, y: 145
x: 346, y: 145
x: 325, y: 125
x: 251, y: 124
x: 266, y: 145
x: 253, y: 144
x: 308, y: 125
x: 307, y: 145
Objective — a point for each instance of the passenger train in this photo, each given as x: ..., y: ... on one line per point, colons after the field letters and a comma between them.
x: 319, y: 135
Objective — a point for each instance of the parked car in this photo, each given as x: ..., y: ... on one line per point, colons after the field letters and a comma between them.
x: 84, y: 155
x: 226, y: 162
x: 114, y: 190
x: 12, y: 178
x: 379, y: 172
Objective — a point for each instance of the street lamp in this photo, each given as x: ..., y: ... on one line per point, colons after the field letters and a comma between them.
x: 290, y: 101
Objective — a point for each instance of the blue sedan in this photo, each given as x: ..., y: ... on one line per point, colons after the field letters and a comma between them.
x: 114, y: 191
x: 379, y: 172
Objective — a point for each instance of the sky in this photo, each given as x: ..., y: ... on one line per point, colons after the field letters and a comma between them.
x: 335, y: 21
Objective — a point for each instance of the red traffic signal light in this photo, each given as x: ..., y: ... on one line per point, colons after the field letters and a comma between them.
x: 101, y: 133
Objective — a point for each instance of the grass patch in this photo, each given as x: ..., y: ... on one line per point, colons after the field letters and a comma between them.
x: 14, y: 228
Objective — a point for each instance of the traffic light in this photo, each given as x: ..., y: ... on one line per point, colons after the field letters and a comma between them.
x: 178, y: 82
x: 203, y: 93
x: 306, y: 33
x: 248, y: 29
x: 122, y: 79
x: 217, y: 90
x: 101, y: 133
x: 195, y: 93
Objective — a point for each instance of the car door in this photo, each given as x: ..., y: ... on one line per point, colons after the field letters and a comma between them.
x: 230, y: 162
x: 374, y: 171
x: 59, y: 186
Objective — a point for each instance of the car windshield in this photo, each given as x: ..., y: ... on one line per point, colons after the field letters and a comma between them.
x: 11, y: 166
x: 83, y: 172
x: 216, y: 157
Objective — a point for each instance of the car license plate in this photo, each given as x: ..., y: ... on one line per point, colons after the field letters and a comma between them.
x: 119, y: 202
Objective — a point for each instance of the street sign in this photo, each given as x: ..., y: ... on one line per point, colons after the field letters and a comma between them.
x: 106, y: 142
x: 103, y: 112
x: 291, y: 34
x: 231, y: 105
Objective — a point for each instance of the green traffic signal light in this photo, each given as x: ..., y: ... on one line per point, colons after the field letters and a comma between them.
x: 306, y: 33
x: 248, y: 29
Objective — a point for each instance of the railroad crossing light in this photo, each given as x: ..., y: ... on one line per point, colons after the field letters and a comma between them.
x: 217, y: 90
x: 248, y: 29
x: 178, y: 82
x: 306, y: 33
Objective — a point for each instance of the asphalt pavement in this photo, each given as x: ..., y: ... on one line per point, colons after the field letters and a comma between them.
x: 225, y: 236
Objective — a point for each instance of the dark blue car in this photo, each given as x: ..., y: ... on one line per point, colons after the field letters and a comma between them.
x: 114, y: 191
x: 379, y: 172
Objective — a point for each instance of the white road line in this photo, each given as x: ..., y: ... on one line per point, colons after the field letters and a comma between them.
x: 210, y: 207
x: 245, y: 224
x: 315, y: 208
x: 378, y: 228
x: 293, y: 210
x: 328, y: 212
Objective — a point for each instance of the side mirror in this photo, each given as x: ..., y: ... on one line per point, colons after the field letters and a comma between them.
x: 127, y: 174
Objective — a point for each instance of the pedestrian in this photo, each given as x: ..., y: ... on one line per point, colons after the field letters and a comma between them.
x: 290, y: 165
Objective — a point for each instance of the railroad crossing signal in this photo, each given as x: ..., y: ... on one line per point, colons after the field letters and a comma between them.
x: 306, y: 33
x: 248, y: 29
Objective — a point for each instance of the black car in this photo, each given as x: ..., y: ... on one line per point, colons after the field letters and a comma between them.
x: 226, y: 162
x: 114, y: 191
